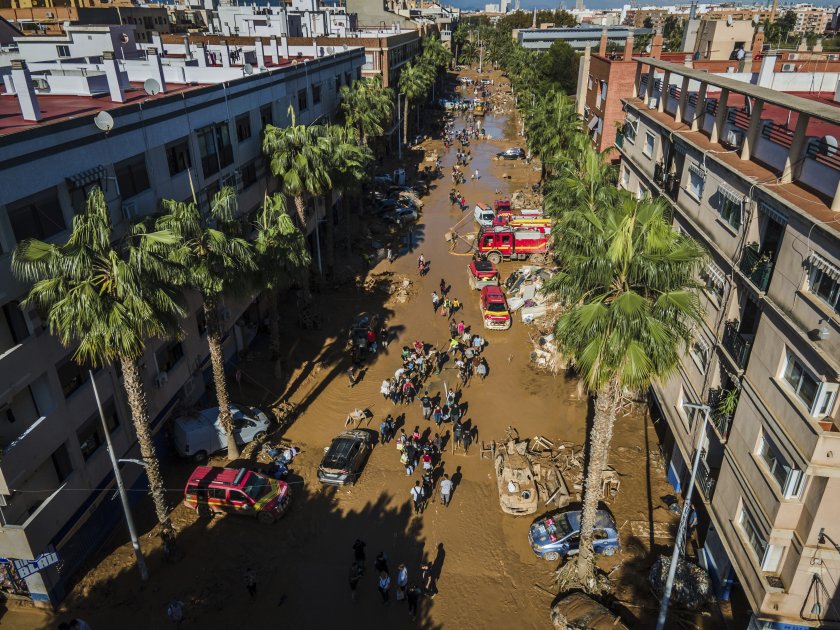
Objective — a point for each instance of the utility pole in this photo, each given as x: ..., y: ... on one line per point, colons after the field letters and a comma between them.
x: 678, y: 543
x: 138, y: 553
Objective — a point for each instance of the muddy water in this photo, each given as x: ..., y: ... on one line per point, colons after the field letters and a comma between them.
x: 485, y: 569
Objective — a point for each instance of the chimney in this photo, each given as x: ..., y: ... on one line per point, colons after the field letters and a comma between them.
x: 156, y: 66
x: 225, y: 54
x: 628, y: 47
x: 112, y: 73
x: 25, y: 91
x: 758, y: 42
x: 602, y: 49
x: 187, y: 51
x: 260, y: 53
x: 157, y: 43
x: 765, y: 73
x: 275, y: 51
x: 201, y: 54
x: 656, y: 44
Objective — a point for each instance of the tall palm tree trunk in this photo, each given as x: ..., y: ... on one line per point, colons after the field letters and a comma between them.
x: 217, y: 361
x: 405, y: 122
x: 274, y: 321
x: 330, y: 239
x: 600, y: 437
x: 133, y: 385
x: 300, y: 206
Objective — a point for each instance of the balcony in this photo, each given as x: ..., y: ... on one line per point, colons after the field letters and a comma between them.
x: 757, y: 268
x: 619, y: 140
x: 736, y: 344
x: 723, y: 404
x: 706, y: 479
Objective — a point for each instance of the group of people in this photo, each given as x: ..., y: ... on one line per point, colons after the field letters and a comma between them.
x: 410, y: 593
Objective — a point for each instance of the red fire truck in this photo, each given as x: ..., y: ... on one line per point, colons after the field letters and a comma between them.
x: 502, y: 243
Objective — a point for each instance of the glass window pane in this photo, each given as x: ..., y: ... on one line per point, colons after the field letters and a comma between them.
x: 808, y: 390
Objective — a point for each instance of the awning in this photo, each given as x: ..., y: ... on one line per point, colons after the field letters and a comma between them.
x: 697, y: 170
x: 774, y: 214
x: 715, y: 273
x: 593, y: 123
x: 828, y: 268
x: 732, y: 195
x: 89, y: 176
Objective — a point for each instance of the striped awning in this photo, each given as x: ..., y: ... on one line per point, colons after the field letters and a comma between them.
x: 827, y: 267
x: 774, y: 214
x: 697, y: 170
x: 89, y: 176
x: 593, y: 123
x: 715, y: 273
x: 729, y: 193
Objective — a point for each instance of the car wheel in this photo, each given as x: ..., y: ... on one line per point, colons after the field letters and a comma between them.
x: 259, y: 436
x: 265, y: 517
x: 200, y: 457
x: 609, y: 551
x: 494, y: 258
x: 551, y: 556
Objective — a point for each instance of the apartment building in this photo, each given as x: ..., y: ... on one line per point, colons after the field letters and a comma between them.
x: 811, y: 20
x: 752, y: 173
x: 195, y: 127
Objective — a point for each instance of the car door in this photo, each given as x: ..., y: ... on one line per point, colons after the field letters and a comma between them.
x: 354, y: 458
x: 573, y: 543
x: 217, y: 499
x: 239, y: 502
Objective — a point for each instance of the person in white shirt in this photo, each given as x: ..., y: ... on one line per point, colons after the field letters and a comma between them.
x: 417, y: 497
x: 446, y: 490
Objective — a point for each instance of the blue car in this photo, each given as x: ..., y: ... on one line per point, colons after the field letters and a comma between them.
x: 557, y: 534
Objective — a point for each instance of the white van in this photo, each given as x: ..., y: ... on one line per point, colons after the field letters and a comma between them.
x: 201, y: 435
x: 483, y: 215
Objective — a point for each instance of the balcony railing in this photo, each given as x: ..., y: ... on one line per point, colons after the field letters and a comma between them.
x: 757, y: 268
x: 721, y: 421
x: 706, y: 479
x: 736, y: 344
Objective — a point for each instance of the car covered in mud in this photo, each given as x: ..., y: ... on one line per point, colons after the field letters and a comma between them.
x: 556, y: 534
x: 494, y: 308
x: 482, y: 273
x: 578, y: 611
x: 241, y: 491
x: 345, y: 458
x: 515, y: 478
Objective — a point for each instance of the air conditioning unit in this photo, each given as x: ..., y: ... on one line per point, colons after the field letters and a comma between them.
x: 793, y: 56
x: 129, y: 210
x: 734, y: 138
x: 161, y: 379
x: 788, y: 67
x: 224, y: 314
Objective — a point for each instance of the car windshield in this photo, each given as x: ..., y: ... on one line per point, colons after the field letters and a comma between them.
x: 256, y: 486
x: 558, y: 525
x: 496, y: 307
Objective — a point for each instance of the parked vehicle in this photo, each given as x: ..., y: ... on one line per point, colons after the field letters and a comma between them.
x: 483, y: 215
x: 557, y: 534
x: 512, y: 154
x: 385, y: 206
x: 502, y: 205
x: 237, y: 491
x: 515, y: 479
x: 401, y: 216
x: 479, y: 108
x: 383, y: 179
x: 521, y: 222
x: 486, y: 81
x: 482, y: 273
x: 498, y: 244
x: 199, y: 436
x: 578, y: 611
x: 494, y: 308
x: 345, y: 458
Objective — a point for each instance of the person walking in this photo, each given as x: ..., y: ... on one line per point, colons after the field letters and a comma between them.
x: 445, y: 490
x: 417, y: 497
x: 435, y: 300
x: 385, y: 388
x: 359, y: 553
x: 460, y: 328
x: 384, y: 586
x: 467, y: 440
x: 453, y: 330
x: 251, y: 582
x: 427, y: 462
x: 402, y: 581
x: 413, y: 597
x: 426, y: 403
x: 427, y: 580
x: 383, y: 431
x: 437, y: 415
x: 381, y: 562
x: 457, y: 430
x: 356, y: 572
x: 442, y: 286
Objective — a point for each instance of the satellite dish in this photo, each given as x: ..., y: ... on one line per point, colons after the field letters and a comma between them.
x: 331, y: 50
x: 124, y: 38
x: 729, y: 20
x: 104, y: 121
x: 151, y: 86
x: 248, y: 69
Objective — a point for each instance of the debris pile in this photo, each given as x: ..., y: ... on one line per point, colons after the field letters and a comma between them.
x: 692, y: 586
x: 526, y: 199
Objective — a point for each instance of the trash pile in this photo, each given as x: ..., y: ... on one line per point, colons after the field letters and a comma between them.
x: 399, y: 287
x: 523, y: 288
x: 692, y: 586
x: 526, y: 199
x: 545, y: 354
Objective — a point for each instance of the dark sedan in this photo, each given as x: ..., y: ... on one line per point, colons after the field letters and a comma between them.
x: 512, y: 154
x: 345, y: 458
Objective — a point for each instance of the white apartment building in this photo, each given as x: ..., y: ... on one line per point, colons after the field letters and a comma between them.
x: 753, y: 174
x: 200, y: 129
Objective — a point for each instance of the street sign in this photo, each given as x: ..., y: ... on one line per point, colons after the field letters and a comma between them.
x: 25, y: 568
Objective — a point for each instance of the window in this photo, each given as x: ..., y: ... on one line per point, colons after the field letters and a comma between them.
x: 650, y: 143
x: 243, y: 127
x: 61, y: 463
x: 249, y: 174
x: 14, y: 328
x: 715, y: 283
x: 91, y: 436
x: 688, y: 412
x: 132, y: 176
x: 38, y: 216
x: 316, y: 93
x: 79, y: 194
x: 71, y: 375
x: 266, y: 117
x: 752, y: 534
x: 630, y: 128
x: 347, y: 79
x: 825, y: 287
x: 818, y: 397
x: 337, y: 83
x: 215, y: 148
x: 63, y: 51
x: 696, y: 180
x: 217, y: 493
x: 178, y: 156
x: 730, y: 207
x: 303, y: 103
x: 700, y: 353
x: 168, y: 356
x: 643, y: 192
x: 789, y: 479
x: 625, y: 178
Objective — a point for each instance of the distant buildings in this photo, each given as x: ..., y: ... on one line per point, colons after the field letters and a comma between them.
x: 578, y: 37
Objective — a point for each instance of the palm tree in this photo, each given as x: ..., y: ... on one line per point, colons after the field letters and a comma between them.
x: 211, y: 254
x: 106, y: 295
x: 414, y: 81
x: 554, y: 130
x: 367, y: 107
x: 280, y: 256
x: 586, y: 181
x: 628, y: 283
x: 436, y: 56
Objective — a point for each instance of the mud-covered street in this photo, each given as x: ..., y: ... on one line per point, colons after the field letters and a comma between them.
x: 484, y: 568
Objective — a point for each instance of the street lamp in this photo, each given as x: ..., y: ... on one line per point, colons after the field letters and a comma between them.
x: 686, y: 510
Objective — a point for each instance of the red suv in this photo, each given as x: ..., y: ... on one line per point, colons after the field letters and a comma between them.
x: 494, y: 308
x: 237, y: 491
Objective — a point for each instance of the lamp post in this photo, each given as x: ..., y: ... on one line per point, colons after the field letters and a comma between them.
x: 399, y: 126
x: 138, y: 553
x: 675, y: 556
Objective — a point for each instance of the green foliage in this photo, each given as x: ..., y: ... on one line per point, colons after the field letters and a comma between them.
x: 367, y: 107
x: 559, y: 66
x: 280, y: 251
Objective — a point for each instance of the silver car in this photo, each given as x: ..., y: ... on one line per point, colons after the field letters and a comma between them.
x: 200, y: 435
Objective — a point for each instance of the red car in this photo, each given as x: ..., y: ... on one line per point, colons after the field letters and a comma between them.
x: 482, y: 273
x: 237, y: 491
x: 494, y: 309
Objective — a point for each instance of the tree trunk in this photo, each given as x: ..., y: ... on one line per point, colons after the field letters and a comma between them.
x: 274, y: 321
x: 300, y: 206
x: 133, y: 385
x: 330, y: 238
x: 600, y: 437
x: 405, y: 122
x: 217, y: 360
